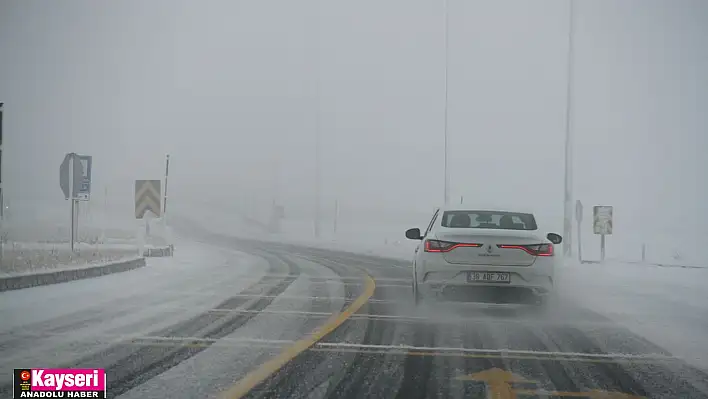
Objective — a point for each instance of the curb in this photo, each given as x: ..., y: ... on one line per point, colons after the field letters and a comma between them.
x: 63, y: 276
x: 159, y: 252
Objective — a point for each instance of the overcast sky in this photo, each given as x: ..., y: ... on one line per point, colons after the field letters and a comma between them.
x: 235, y: 92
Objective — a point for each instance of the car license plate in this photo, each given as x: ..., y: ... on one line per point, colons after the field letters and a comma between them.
x: 488, y: 277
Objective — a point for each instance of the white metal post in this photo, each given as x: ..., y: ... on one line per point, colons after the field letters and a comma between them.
x: 568, y: 189
x: 72, y: 231
x: 167, y: 173
x: 318, y: 138
x: 445, y: 150
x: 2, y: 188
x: 580, y: 245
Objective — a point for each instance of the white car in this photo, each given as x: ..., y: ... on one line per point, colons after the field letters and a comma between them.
x: 484, y: 256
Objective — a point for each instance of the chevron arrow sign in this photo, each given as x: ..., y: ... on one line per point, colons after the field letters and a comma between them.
x: 147, y: 197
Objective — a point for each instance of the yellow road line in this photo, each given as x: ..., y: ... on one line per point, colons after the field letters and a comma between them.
x: 252, y: 379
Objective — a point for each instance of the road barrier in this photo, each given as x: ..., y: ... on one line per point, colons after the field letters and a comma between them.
x: 65, y: 275
x: 159, y: 252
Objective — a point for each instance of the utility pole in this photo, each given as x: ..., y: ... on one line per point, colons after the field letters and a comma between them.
x: 447, y: 177
x: 105, y: 214
x: 2, y: 188
x: 167, y: 173
x: 336, y: 215
x: 568, y: 189
x: 318, y: 160
x: 2, y: 194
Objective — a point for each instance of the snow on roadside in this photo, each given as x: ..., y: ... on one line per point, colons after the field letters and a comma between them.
x: 68, y: 267
x: 141, y: 301
x: 668, y: 306
x: 66, y: 246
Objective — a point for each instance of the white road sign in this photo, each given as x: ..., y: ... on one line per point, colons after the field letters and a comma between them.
x: 83, y: 181
x: 602, y: 220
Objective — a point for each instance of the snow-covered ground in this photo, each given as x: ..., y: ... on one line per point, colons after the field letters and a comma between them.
x: 42, y: 245
x: 31, y: 257
x: 668, y: 306
x: 56, y: 325
x: 99, y: 310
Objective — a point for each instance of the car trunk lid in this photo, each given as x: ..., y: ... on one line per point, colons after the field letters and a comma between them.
x: 494, y: 247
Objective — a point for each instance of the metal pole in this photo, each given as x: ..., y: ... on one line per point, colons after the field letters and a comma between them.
x: 336, y: 215
x: 72, y: 200
x: 568, y: 194
x: 73, y: 203
x: 318, y: 159
x: 76, y: 224
x: 602, y: 247
x: 318, y: 187
x: 580, y: 246
x: 644, y: 253
x: 2, y: 193
x: 447, y: 178
x: 2, y: 190
x: 105, y: 214
x: 167, y: 173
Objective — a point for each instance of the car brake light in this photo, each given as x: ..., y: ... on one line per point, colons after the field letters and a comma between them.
x: 535, y: 250
x: 446, y: 246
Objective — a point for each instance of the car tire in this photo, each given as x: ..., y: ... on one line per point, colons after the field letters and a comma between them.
x: 417, y: 296
x: 545, y: 304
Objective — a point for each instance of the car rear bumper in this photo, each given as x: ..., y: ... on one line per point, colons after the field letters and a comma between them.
x: 526, y: 285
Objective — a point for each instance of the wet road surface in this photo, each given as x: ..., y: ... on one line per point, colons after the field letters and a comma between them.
x: 199, y: 332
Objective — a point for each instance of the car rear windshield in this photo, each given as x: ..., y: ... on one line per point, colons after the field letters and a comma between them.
x: 489, y: 220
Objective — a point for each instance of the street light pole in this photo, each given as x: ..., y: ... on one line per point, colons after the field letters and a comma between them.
x: 568, y: 189
x: 318, y: 160
x: 447, y: 177
x: 2, y: 189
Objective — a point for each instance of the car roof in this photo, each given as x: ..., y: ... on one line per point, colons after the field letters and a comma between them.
x: 479, y: 207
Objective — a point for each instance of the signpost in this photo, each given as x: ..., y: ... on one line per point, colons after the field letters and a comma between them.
x: 75, y: 183
x: 579, y: 219
x: 602, y: 225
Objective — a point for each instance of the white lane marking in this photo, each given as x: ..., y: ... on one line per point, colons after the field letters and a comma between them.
x: 324, y: 314
x: 496, y: 351
x: 239, y: 341
x: 368, y: 263
x: 409, y: 348
x: 318, y: 280
x: 304, y: 297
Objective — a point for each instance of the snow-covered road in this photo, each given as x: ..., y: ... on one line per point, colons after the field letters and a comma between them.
x: 87, y: 322
x: 195, y: 324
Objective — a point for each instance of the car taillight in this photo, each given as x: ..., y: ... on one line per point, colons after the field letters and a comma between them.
x: 446, y: 246
x: 535, y: 250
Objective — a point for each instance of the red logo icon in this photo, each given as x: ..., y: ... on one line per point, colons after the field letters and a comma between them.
x: 25, y: 375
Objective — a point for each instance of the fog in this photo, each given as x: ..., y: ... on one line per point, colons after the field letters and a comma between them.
x: 236, y: 92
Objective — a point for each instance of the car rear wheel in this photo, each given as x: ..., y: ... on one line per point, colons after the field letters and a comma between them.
x: 417, y: 297
x: 544, y: 304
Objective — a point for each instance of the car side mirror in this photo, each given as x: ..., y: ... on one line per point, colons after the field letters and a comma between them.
x: 413, y: 234
x: 554, y: 238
